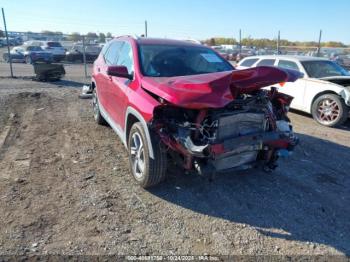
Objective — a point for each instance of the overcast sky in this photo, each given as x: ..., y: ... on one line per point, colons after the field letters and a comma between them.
x: 198, y: 19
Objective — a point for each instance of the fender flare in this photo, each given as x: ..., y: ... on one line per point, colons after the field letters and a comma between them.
x: 342, y: 94
x: 132, y: 111
x: 345, y: 94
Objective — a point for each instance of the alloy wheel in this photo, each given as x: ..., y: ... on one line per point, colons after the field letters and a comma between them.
x: 95, y: 105
x: 328, y: 111
x: 137, y: 154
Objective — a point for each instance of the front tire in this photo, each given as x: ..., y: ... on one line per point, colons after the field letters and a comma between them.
x: 28, y: 60
x: 97, y: 113
x: 330, y: 110
x: 146, y: 171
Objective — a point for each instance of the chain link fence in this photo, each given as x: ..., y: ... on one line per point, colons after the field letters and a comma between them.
x: 74, y: 51
x: 77, y: 52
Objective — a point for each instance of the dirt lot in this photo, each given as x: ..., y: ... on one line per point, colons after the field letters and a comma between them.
x: 65, y: 188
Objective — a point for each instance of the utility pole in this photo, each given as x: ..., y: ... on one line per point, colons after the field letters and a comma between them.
x: 278, y: 42
x: 7, y: 40
x: 240, y: 41
x: 319, y: 44
x: 84, y: 57
x: 146, y: 29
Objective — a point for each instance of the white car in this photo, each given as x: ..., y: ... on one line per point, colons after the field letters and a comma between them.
x: 324, y: 91
x: 55, y: 48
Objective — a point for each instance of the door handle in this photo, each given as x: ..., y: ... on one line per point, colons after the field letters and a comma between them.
x: 98, y: 69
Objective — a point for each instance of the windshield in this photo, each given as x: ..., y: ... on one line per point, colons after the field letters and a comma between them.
x: 34, y: 48
x: 175, y: 60
x: 319, y: 69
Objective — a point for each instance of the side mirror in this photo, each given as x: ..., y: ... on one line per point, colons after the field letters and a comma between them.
x: 119, y: 71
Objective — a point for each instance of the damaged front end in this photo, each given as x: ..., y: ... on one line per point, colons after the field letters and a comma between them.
x: 251, y: 130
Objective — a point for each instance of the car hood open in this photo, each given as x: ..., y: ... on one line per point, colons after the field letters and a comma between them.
x: 215, y: 90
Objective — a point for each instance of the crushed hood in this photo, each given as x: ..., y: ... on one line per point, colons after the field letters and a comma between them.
x: 215, y: 90
x: 339, y: 80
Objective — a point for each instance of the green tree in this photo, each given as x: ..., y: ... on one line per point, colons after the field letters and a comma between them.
x: 74, y: 37
x: 91, y: 35
x: 109, y: 35
x: 47, y: 32
x: 102, y: 38
x: 2, y: 34
x: 212, y: 41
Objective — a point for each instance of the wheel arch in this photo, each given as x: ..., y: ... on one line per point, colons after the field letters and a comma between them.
x: 321, y: 94
x: 132, y: 117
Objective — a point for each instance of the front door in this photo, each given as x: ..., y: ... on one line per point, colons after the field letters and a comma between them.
x: 119, y: 85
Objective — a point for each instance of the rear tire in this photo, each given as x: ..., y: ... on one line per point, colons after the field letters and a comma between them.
x: 330, y: 110
x: 6, y: 58
x: 146, y: 171
x: 97, y: 113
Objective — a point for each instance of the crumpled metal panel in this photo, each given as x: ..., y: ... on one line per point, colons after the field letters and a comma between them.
x: 215, y: 90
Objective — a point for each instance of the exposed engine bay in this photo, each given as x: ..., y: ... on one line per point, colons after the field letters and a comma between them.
x: 253, y: 130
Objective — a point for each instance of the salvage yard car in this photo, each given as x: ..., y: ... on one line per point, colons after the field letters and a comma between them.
x: 28, y: 54
x: 76, y: 53
x: 55, y: 48
x: 324, y: 91
x: 180, y: 101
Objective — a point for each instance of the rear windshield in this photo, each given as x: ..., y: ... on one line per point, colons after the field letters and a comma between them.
x: 176, y: 60
x: 54, y: 44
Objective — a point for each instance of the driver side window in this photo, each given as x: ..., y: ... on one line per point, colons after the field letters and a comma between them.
x: 113, y: 52
x: 126, y: 57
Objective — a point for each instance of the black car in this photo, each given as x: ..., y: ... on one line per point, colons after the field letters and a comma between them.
x: 76, y: 53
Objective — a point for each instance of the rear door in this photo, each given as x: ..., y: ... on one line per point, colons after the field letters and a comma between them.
x: 295, y: 89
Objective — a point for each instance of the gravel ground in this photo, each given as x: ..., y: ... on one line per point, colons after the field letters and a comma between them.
x: 65, y: 188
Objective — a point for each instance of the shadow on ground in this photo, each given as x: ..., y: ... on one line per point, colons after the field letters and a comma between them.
x: 67, y: 83
x: 307, y: 197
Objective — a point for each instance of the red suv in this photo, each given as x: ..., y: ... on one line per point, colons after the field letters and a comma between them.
x: 178, y: 101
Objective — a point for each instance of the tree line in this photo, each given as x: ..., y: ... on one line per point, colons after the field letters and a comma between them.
x: 76, y: 36
x: 248, y: 41
x: 265, y: 42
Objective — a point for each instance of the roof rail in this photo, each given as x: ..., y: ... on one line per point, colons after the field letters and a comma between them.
x: 132, y: 36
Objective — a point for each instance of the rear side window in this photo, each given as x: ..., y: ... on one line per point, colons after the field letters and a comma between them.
x: 54, y: 44
x: 288, y: 64
x: 112, y: 53
x: 249, y: 62
x: 266, y: 62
